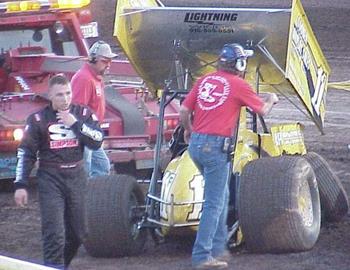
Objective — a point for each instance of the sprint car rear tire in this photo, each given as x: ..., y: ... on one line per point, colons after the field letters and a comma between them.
x: 333, y: 197
x: 111, y: 225
x: 279, y: 205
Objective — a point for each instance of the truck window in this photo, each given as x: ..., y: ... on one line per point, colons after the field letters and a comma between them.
x: 69, y: 48
x: 23, y: 38
x: 42, y: 37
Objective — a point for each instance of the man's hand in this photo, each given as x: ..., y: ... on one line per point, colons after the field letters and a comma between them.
x: 185, y: 117
x: 269, y: 99
x: 66, y: 118
x: 274, y: 98
x: 21, y: 197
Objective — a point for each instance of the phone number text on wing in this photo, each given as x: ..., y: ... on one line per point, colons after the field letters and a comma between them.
x: 211, y: 29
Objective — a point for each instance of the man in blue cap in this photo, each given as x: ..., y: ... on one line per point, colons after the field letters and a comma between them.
x: 209, y: 115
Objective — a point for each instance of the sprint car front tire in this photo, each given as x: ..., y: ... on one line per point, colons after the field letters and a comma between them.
x: 111, y: 224
x: 279, y: 205
x: 333, y: 197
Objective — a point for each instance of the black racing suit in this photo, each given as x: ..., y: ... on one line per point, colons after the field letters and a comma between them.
x: 61, y: 177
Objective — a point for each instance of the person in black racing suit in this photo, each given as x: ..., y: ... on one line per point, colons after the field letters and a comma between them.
x: 55, y: 137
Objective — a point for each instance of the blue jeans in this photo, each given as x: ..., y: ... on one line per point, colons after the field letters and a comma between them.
x: 206, y: 152
x: 96, y: 162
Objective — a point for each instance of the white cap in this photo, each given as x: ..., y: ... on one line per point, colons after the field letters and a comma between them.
x: 101, y: 49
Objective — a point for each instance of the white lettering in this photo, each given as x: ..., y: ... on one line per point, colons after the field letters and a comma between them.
x: 300, y: 42
x: 320, y: 89
x: 167, y: 181
x: 92, y: 133
x: 290, y: 137
x: 60, y: 132
x: 197, y: 187
x: 22, y: 83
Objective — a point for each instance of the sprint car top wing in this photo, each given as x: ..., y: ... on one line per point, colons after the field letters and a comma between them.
x: 288, y: 58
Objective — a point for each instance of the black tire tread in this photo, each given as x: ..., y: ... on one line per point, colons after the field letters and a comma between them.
x: 267, y: 212
x: 107, y: 219
x: 334, y: 200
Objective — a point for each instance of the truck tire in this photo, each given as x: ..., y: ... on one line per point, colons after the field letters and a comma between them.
x: 112, y: 217
x: 279, y: 205
x: 333, y: 197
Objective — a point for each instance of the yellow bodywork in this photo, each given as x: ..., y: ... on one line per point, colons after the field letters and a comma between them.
x: 181, y: 183
x: 307, y: 68
x: 122, y: 25
x: 287, y: 56
x: 283, y: 139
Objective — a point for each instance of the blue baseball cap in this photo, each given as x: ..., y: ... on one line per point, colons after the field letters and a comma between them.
x: 234, y: 51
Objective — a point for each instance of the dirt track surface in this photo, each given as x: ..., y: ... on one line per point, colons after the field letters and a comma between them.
x: 20, y: 228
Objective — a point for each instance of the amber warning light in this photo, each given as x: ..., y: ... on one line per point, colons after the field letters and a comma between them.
x: 30, y: 6
x: 11, y: 135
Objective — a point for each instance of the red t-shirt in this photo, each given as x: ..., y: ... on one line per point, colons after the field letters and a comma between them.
x: 216, y: 100
x: 88, y: 89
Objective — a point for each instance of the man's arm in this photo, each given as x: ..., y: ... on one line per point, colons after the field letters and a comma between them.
x: 261, y: 104
x: 269, y: 99
x: 185, y: 117
x: 26, y: 157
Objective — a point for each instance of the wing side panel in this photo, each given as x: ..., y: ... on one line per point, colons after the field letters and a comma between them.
x: 307, y: 69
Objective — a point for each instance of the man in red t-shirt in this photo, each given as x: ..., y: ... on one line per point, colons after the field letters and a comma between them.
x: 215, y: 102
x: 88, y: 89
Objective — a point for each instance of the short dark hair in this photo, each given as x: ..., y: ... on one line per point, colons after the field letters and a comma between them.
x: 228, y: 67
x: 58, y: 79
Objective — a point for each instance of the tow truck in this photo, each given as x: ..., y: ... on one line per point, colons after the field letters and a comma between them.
x: 41, y: 38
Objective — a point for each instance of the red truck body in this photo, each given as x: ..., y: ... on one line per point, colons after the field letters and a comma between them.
x: 37, y: 42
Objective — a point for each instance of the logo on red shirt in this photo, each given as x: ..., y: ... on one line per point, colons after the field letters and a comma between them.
x: 98, y: 90
x: 213, y: 92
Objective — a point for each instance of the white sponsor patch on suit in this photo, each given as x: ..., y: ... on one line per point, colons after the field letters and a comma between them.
x: 92, y: 133
x: 94, y: 117
x: 37, y: 117
x: 62, y: 137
